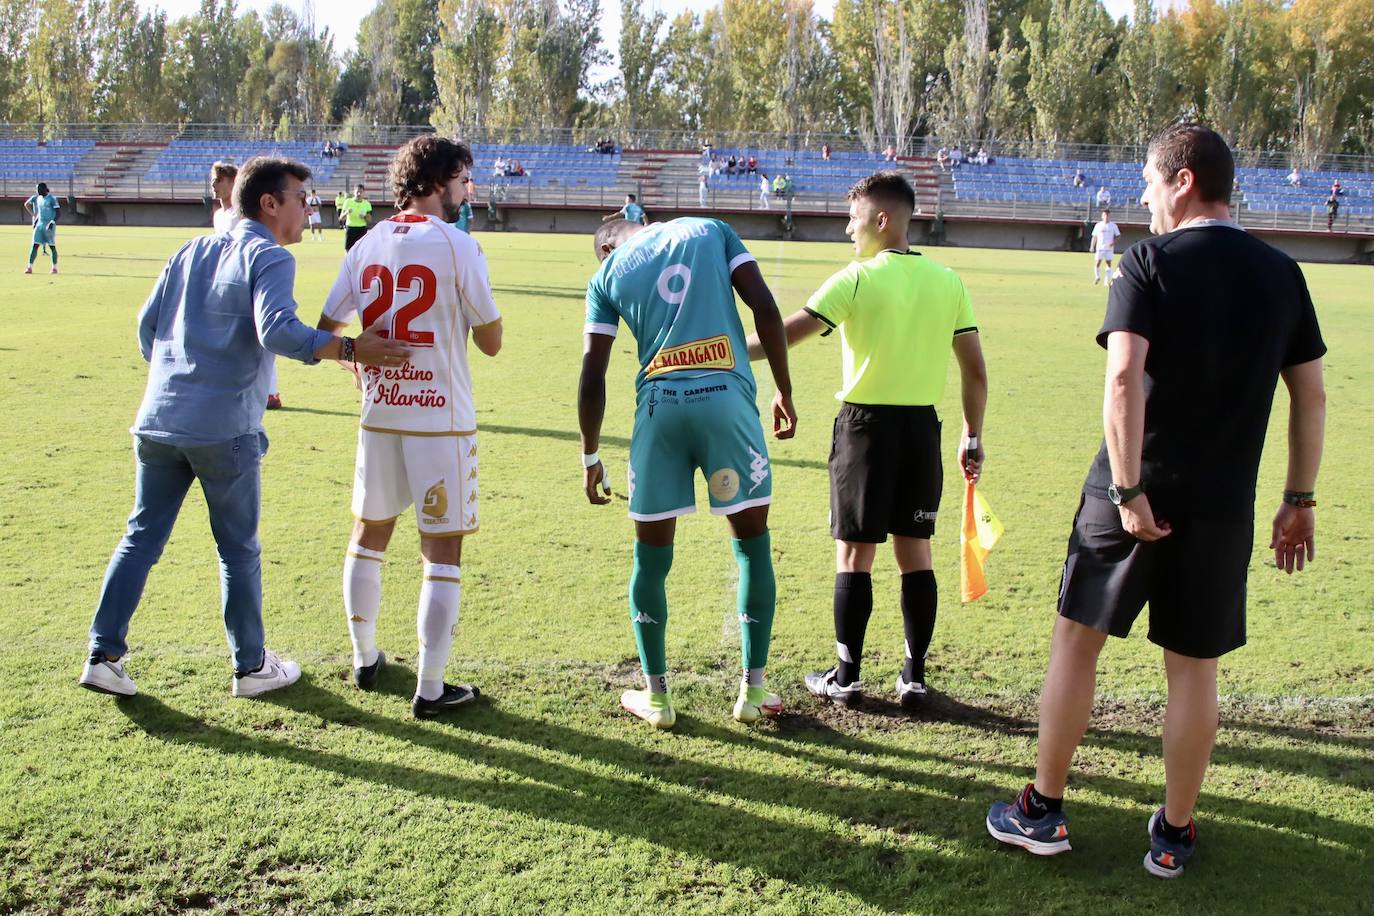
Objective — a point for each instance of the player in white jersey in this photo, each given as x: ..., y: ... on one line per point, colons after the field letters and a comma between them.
x: 425, y: 283
x: 1103, y: 244
x: 225, y: 217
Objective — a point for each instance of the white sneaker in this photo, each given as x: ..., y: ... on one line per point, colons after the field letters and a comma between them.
x: 105, y: 676
x: 274, y: 673
x: 911, y: 694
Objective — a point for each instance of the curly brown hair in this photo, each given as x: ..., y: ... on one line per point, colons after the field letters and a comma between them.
x: 425, y: 163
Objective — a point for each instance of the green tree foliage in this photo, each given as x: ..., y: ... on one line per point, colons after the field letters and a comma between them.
x: 1070, y: 73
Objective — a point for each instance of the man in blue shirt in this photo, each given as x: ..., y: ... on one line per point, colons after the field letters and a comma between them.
x: 673, y: 284
x: 632, y: 212
x: 221, y: 307
x: 44, y: 209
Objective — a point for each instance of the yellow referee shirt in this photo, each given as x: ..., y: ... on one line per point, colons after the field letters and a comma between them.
x: 898, y: 313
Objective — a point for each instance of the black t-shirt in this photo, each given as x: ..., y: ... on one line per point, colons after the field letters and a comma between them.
x: 1223, y: 313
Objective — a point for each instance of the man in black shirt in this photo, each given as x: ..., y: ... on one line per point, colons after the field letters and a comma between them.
x: 1202, y: 321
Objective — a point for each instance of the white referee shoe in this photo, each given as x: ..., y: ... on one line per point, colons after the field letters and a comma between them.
x: 274, y: 674
x: 105, y: 676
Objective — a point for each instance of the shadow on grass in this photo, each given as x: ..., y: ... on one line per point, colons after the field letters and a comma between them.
x: 666, y: 794
x: 572, y: 435
x: 553, y: 292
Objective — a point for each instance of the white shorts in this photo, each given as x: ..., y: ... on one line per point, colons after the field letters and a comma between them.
x: 438, y: 474
x: 1106, y: 254
x: 314, y: 219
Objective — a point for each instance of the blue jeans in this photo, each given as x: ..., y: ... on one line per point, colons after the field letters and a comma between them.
x: 228, y: 475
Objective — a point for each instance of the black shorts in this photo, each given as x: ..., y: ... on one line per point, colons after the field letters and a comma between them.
x: 1193, y: 579
x: 885, y: 473
x: 352, y: 234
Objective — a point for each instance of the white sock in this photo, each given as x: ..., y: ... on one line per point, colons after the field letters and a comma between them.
x: 362, y: 594
x: 436, y: 623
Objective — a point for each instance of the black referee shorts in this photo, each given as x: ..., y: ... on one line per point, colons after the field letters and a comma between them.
x: 1193, y: 579
x: 352, y: 234
x: 885, y: 472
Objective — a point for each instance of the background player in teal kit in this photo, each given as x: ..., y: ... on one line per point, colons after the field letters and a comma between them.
x: 44, y: 209
x: 673, y: 285
x: 631, y: 212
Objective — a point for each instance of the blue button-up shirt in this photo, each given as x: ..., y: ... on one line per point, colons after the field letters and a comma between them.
x: 219, y: 302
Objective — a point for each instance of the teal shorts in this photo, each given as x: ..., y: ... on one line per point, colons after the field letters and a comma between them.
x: 681, y: 425
x: 43, y: 235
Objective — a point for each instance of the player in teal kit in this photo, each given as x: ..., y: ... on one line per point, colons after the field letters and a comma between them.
x: 673, y: 286
x: 632, y: 212
x: 44, y: 209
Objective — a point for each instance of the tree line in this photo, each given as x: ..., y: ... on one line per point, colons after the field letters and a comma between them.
x: 1279, y: 75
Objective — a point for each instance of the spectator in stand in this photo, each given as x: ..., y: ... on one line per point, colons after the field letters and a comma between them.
x: 942, y: 158
x: 825, y: 151
x: 703, y: 187
x: 498, y: 167
x: 1333, y: 206
x: 1295, y: 177
x: 516, y: 169
x: 706, y: 155
x: 1336, y: 189
x: 981, y: 157
x: 730, y: 166
x: 890, y: 153
x: 1079, y: 179
x: 763, y: 191
x: 1104, y: 197
x: 1235, y: 185
x: 779, y: 184
x: 714, y: 164
x: 787, y: 187
x: 325, y: 150
x: 956, y: 156
x: 753, y: 165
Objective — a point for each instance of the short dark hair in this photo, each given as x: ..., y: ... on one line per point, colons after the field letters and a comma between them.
x: 631, y: 197
x: 264, y: 175
x: 425, y: 163
x: 608, y: 233
x: 885, y: 188
x: 42, y: 187
x: 221, y: 169
x: 1200, y: 150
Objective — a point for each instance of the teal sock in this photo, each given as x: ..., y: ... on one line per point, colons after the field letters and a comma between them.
x: 758, y: 594
x: 649, y: 608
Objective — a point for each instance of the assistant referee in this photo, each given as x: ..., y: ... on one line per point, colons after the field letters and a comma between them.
x: 899, y: 315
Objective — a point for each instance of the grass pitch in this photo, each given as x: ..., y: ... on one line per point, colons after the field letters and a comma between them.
x: 548, y: 798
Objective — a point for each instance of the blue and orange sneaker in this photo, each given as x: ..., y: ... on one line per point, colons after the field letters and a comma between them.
x: 1043, y: 836
x: 1166, y: 857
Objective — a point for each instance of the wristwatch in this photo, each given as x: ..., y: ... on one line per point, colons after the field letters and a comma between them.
x: 1122, y: 495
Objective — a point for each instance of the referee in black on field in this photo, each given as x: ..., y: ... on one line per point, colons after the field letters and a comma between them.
x: 1202, y: 321
x: 899, y: 315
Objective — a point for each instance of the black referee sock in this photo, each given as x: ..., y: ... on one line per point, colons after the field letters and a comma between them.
x: 919, y: 600
x: 853, y: 607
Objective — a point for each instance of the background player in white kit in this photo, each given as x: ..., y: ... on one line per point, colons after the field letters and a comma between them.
x: 425, y: 283
x: 1103, y: 244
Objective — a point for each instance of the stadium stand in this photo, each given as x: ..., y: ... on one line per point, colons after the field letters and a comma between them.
x: 185, y: 160
x: 1047, y: 181
x: 1268, y: 189
x: 30, y: 160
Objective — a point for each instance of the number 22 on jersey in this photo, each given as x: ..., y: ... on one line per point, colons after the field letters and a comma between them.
x: 394, y: 322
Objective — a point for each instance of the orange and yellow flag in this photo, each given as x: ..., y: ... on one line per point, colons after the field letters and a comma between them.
x: 980, y: 532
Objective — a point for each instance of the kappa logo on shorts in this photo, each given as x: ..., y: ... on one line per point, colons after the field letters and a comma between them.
x: 436, y: 501
x: 758, y: 470
x: 924, y: 516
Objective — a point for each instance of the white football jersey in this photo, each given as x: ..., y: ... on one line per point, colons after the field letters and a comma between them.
x: 225, y: 219
x: 417, y: 279
x: 1106, y: 235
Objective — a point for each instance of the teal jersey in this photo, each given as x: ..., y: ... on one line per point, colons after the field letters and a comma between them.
x: 464, y: 219
x: 634, y: 213
x: 45, y: 208
x: 670, y: 284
